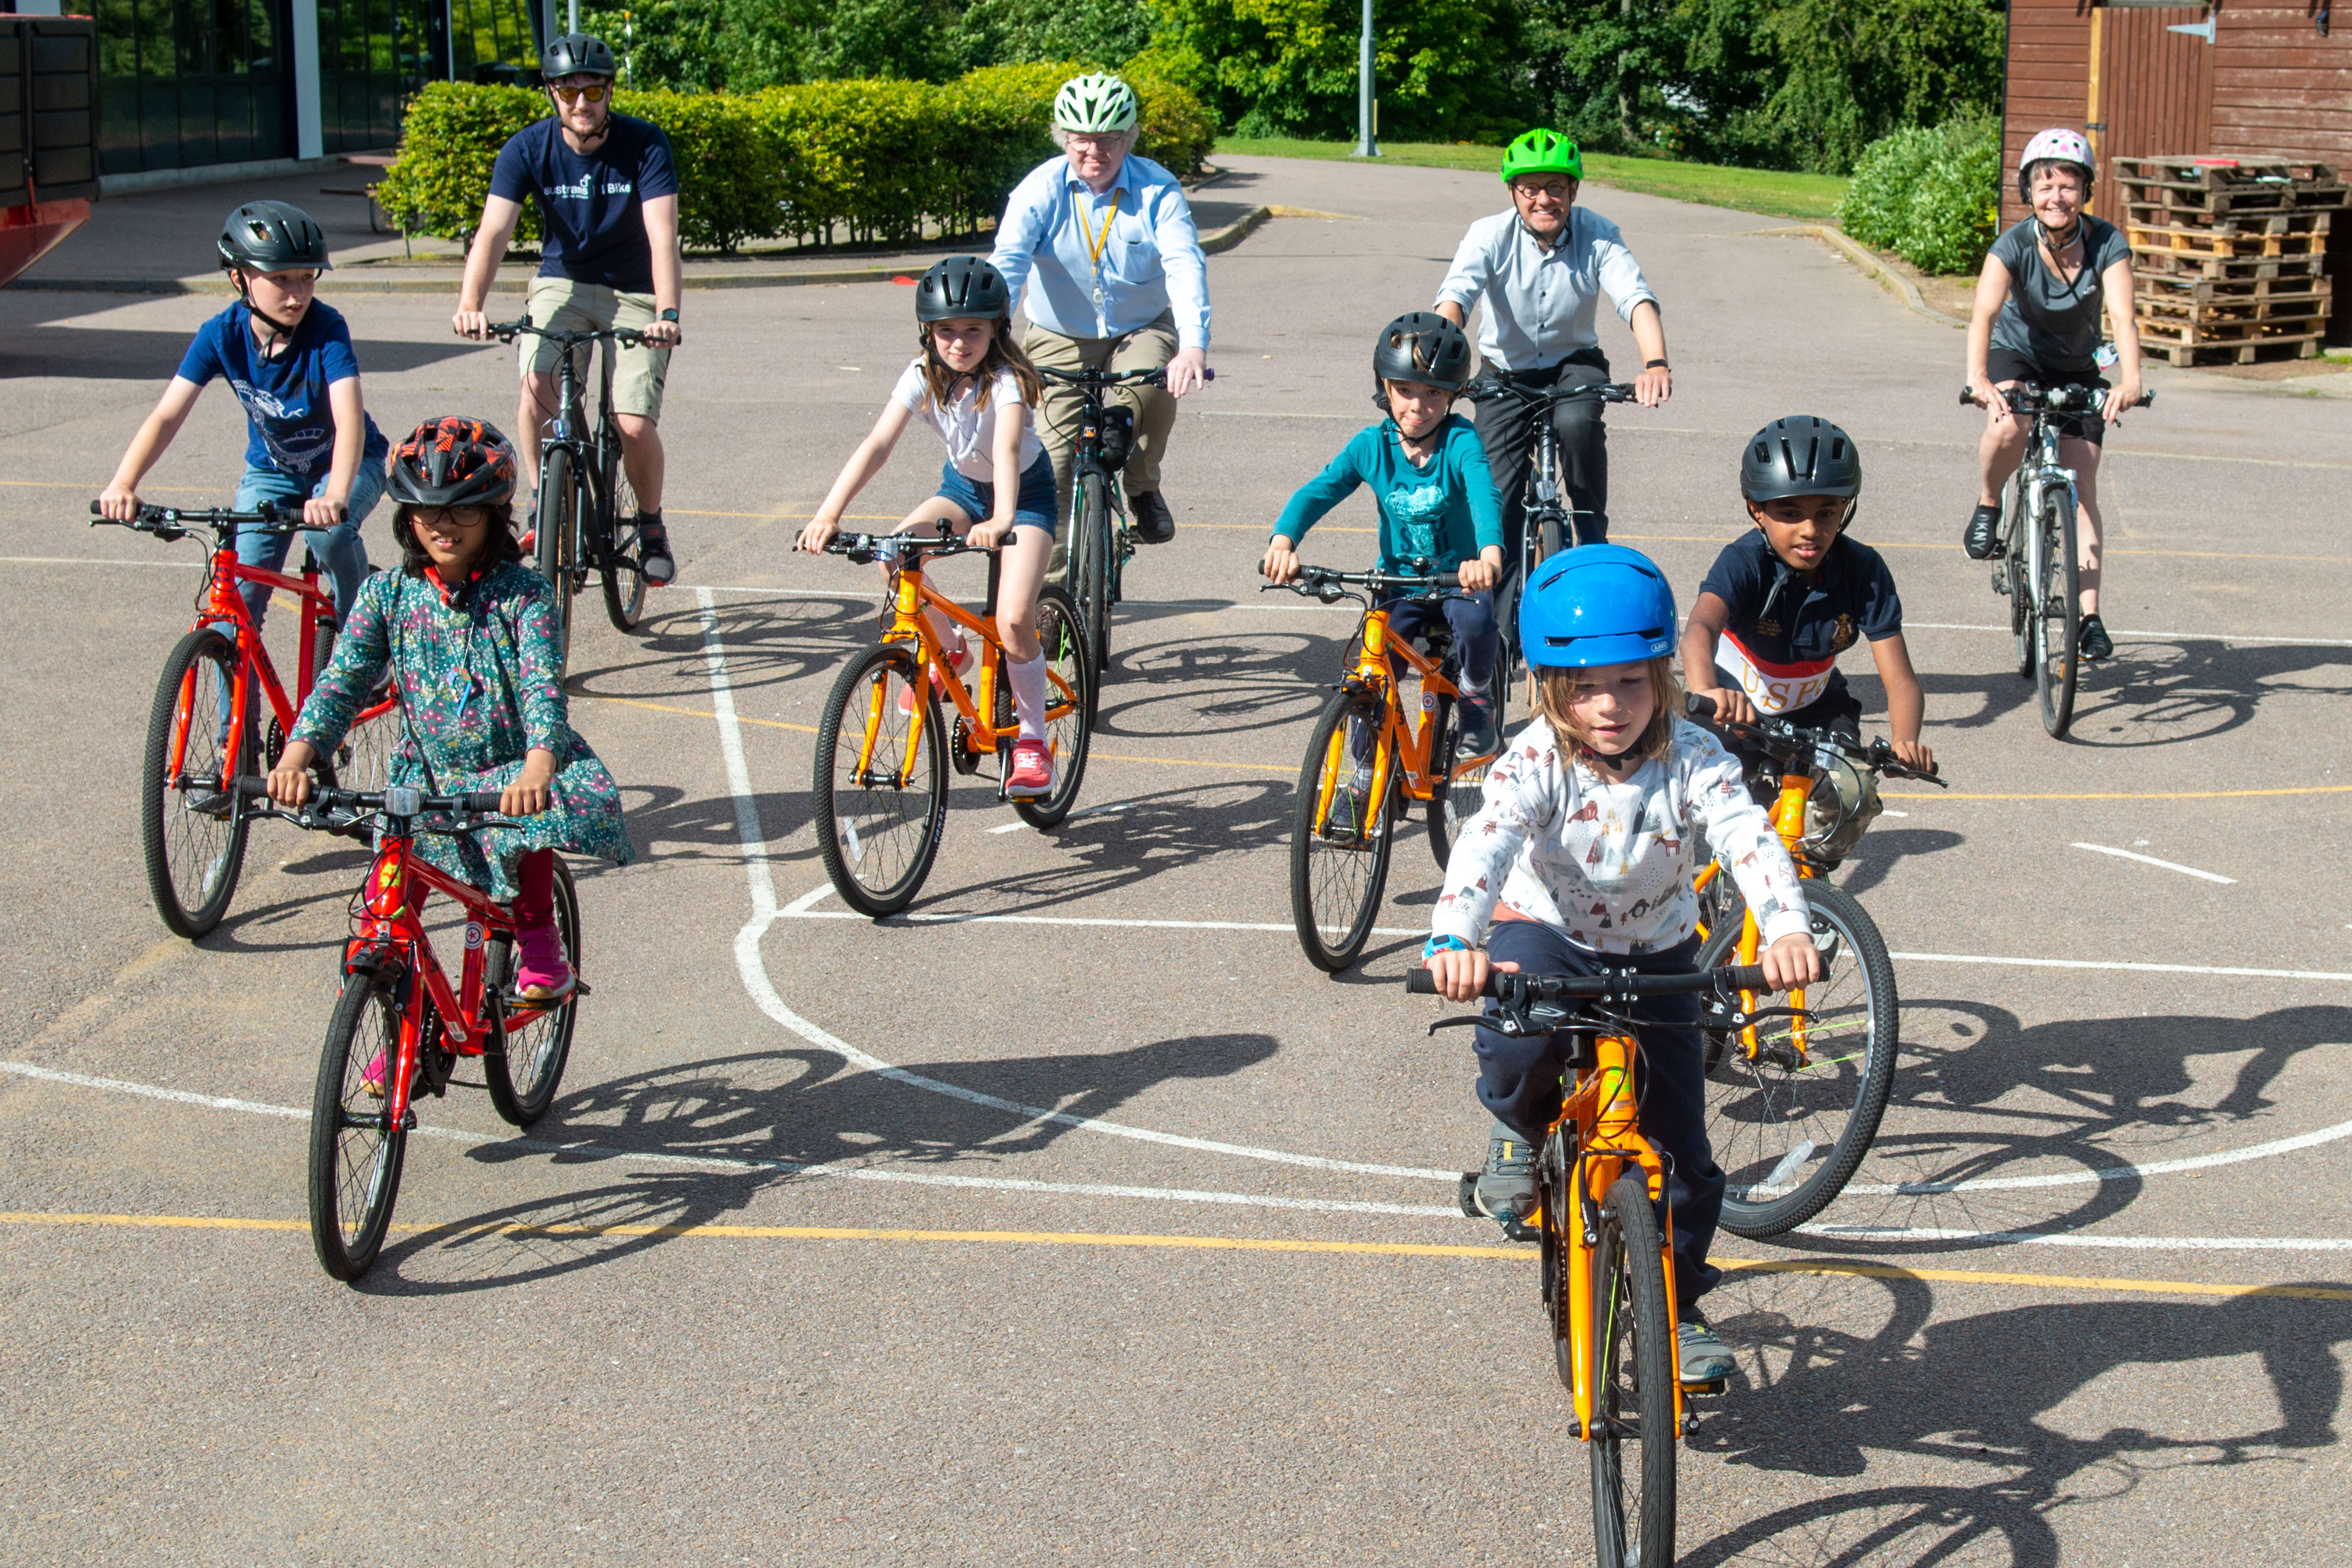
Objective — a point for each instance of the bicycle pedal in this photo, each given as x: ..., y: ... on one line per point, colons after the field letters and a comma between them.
x: 1714, y: 1385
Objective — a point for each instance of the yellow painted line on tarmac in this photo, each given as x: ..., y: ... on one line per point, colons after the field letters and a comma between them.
x: 1815, y: 1265
x: 2173, y: 795
x: 1191, y: 763
x: 694, y: 713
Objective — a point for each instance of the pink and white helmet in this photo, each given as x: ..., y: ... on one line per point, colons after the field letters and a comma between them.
x: 2055, y: 145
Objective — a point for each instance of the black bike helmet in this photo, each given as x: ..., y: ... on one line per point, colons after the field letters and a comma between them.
x: 963, y: 287
x: 271, y: 236
x: 453, y: 461
x: 1421, y: 346
x: 577, y: 54
x: 1800, y: 456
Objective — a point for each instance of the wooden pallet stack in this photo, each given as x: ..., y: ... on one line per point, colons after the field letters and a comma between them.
x: 2228, y: 256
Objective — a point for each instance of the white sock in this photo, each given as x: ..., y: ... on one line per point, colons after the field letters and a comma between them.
x: 1029, y: 695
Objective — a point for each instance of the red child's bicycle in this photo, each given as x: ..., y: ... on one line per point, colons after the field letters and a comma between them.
x: 204, y: 727
x: 400, y: 1026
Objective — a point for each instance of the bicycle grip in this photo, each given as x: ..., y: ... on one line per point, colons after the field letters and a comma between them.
x: 1743, y: 977
x: 249, y: 786
x: 1698, y: 706
x: 481, y: 800
x: 1420, y: 982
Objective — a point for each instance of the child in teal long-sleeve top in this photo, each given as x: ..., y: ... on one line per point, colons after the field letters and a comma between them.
x: 1436, y: 502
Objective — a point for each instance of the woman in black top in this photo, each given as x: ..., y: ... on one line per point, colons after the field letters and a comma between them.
x: 2037, y: 320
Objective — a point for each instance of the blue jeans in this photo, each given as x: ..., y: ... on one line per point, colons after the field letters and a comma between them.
x: 340, y: 550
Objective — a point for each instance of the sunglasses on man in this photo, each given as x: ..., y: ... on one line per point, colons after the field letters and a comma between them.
x: 593, y: 92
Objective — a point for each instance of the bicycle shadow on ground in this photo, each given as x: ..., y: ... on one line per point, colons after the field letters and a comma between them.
x: 760, y: 1119
x: 768, y: 643
x: 1996, y: 1128
x: 2152, y: 693
x: 310, y: 920
x: 1205, y: 687
x: 1837, y: 1375
x: 1884, y: 848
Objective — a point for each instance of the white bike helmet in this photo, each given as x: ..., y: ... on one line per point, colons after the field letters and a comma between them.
x: 2056, y: 146
x: 1096, y: 104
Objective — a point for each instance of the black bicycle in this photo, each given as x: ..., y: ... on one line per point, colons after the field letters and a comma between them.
x: 2037, y: 566
x: 1095, y: 536
x: 1548, y: 523
x: 587, y: 512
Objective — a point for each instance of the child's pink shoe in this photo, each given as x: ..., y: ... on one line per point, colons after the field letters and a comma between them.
x: 540, y: 973
x: 372, y: 1076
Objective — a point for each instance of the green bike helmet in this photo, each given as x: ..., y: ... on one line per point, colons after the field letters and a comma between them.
x: 1096, y: 104
x: 1541, y: 152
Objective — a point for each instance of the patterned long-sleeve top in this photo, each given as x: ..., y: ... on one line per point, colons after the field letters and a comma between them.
x: 1611, y: 864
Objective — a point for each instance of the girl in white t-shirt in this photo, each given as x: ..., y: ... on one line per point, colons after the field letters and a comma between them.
x: 973, y: 385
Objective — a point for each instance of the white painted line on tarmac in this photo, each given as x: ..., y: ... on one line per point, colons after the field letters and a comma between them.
x: 2162, y: 864
x: 2132, y: 968
x: 1105, y: 809
x: 2177, y: 637
x: 752, y: 968
x: 2108, y: 1173
x: 722, y: 1162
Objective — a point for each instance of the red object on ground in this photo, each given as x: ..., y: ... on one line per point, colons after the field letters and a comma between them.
x: 30, y: 231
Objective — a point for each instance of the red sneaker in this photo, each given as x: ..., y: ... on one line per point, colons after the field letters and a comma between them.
x: 540, y: 974
x: 1032, y: 774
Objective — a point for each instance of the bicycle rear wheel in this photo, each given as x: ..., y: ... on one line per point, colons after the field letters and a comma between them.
x: 523, y: 1065
x: 1632, y: 1444
x: 191, y: 827
x: 1790, y: 1128
x: 2057, y: 614
x: 1339, y: 854
x: 355, y: 1152
x: 623, y: 574
x: 557, y: 540
x: 1069, y: 703
x: 879, y: 819
x: 1090, y: 577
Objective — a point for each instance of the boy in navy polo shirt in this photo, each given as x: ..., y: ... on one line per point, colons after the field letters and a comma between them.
x: 607, y: 189
x: 1781, y: 603
x: 288, y: 359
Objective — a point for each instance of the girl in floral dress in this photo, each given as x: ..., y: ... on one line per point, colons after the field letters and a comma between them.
x: 468, y: 635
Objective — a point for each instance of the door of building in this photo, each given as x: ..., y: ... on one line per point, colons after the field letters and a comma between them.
x: 2151, y: 86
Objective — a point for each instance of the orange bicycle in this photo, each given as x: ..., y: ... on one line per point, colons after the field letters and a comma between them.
x: 1369, y: 757
x: 882, y: 752
x: 205, y: 727
x: 1604, y: 1236
x: 1791, y: 1108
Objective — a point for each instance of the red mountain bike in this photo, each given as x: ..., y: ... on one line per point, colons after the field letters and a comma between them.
x: 400, y: 1026
x: 204, y: 729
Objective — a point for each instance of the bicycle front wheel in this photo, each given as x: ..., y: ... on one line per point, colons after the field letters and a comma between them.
x: 1069, y: 703
x: 2057, y: 611
x: 189, y: 824
x: 558, y: 537
x: 1090, y: 576
x: 624, y: 572
x: 881, y: 782
x: 2014, y: 570
x: 1632, y: 1444
x: 522, y: 1065
x: 356, y: 1150
x: 1339, y: 835
x: 1790, y: 1121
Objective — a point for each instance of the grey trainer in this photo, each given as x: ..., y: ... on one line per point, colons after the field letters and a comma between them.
x: 1704, y: 1357
x: 1507, y: 1187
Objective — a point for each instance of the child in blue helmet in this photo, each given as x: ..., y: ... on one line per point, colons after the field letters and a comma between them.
x: 1582, y: 856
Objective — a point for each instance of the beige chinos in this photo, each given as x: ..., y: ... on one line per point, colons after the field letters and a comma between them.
x: 1146, y: 348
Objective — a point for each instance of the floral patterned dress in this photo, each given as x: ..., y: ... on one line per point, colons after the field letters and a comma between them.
x: 482, y: 684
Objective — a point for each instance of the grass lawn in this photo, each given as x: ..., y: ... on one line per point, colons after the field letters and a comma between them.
x: 1810, y: 198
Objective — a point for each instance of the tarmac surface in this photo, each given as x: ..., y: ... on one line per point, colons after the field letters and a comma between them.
x: 781, y: 1279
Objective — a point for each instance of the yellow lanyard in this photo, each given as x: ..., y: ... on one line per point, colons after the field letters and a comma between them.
x: 1094, y: 242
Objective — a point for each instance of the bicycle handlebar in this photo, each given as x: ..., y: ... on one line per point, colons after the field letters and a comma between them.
x: 1488, y: 386
x: 506, y: 333
x: 2074, y: 397
x: 401, y: 803
x: 1783, y: 740
x: 1156, y: 377
x: 1614, y: 984
x: 865, y: 549
x: 171, y: 522
x: 1325, y: 581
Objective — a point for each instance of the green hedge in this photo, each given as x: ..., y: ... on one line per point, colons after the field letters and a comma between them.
x: 1932, y: 196
x: 827, y: 161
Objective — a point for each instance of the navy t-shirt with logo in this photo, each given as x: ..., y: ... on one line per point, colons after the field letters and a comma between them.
x: 1782, y: 647
x: 290, y: 426
x: 591, y: 203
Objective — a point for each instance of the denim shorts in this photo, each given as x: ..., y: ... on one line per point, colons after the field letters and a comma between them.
x: 977, y: 498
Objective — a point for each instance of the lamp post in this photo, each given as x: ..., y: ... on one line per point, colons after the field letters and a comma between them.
x: 1366, y: 147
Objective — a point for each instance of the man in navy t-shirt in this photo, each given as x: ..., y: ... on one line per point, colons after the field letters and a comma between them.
x: 607, y: 195
x: 308, y: 440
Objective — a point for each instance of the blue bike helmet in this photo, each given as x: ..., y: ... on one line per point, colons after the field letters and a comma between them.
x: 1599, y: 604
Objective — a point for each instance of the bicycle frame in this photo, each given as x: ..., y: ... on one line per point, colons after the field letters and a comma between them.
x: 570, y: 429
x: 1789, y: 821
x: 1410, y: 741
x: 224, y: 608
x: 389, y: 937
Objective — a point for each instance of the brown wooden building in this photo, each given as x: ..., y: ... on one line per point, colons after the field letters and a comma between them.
x: 2245, y: 79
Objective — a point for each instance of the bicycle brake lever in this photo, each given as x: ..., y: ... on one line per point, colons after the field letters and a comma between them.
x: 1467, y: 1021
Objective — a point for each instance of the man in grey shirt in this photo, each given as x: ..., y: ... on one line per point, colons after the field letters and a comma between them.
x: 1541, y: 269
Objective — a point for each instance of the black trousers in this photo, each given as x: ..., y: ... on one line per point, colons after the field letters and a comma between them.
x: 1506, y: 429
x: 1519, y: 1081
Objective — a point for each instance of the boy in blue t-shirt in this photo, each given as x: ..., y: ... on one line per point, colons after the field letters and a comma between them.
x: 1436, y: 501
x: 1785, y: 599
x: 288, y: 359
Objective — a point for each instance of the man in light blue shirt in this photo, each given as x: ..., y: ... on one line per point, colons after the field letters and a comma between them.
x: 1116, y: 278
x: 1541, y: 269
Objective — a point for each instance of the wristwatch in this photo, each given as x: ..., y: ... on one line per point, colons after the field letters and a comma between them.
x: 1646, y: 364
x: 671, y: 315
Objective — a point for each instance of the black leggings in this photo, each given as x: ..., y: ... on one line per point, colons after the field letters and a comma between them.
x: 1519, y: 1081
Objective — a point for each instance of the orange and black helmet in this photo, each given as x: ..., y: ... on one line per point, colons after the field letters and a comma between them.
x: 453, y: 461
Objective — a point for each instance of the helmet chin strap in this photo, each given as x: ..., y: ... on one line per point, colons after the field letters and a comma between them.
x: 280, y: 332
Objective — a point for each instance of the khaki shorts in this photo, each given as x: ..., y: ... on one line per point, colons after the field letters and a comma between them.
x: 561, y: 305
